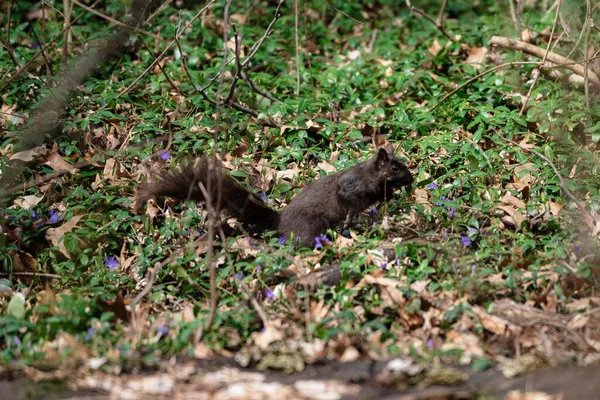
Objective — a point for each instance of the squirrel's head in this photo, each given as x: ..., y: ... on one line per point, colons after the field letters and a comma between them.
x: 395, y: 171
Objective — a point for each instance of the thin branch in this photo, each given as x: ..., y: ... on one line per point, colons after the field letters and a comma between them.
x: 561, y: 181
x: 586, y: 47
x: 236, y: 77
x: 343, y: 13
x: 42, y: 179
x: 515, y: 18
x: 260, y: 41
x: 68, y: 13
x: 438, y: 24
x: 11, y: 52
x: 162, y: 69
x: 116, y: 22
x: 473, y: 79
x: 538, y: 52
x: 212, y: 213
x: 34, y: 274
x: 539, y: 68
x: 39, y: 52
x: 161, y: 55
x: 441, y: 14
x: 297, y: 45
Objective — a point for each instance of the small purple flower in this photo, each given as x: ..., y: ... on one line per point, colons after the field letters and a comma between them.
x: 432, y: 186
x: 473, y: 231
x: 576, y: 249
x: 443, y: 198
x: 473, y: 268
x: 269, y: 294
x: 251, y: 241
x: 17, y: 341
x: 89, y: 334
x: 35, y: 215
x: 465, y: 241
x: 318, y: 244
x: 163, y: 330
x: 374, y: 225
x: 239, y: 277
x: 398, y: 262
x: 258, y: 268
x: 383, y: 265
x: 451, y: 212
x: 111, y: 263
x: 281, y: 240
x: 429, y: 343
x: 164, y: 155
x: 54, y: 217
x: 372, y: 211
x: 263, y: 197
x: 446, y: 233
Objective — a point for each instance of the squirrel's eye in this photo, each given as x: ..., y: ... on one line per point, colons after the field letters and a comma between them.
x: 395, y: 168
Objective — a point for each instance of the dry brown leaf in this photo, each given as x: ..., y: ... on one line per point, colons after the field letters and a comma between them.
x: 512, y: 200
x: 514, y: 217
x: 325, y: 166
x: 422, y: 198
x: 28, y: 202
x: 29, y: 155
x: 495, y: 324
x: 269, y: 335
x: 526, y: 179
x: 54, y: 235
x: 57, y: 163
x: 387, y: 286
x: 476, y: 56
x: 435, y: 47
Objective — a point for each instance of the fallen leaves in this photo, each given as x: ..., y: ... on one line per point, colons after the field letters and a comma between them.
x: 56, y: 235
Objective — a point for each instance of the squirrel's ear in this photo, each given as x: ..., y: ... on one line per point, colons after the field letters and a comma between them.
x: 389, y: 148
x: 383, y: 155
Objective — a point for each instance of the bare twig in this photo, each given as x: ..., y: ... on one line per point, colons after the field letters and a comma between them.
x: 11, y: 52
x: 343, y: 13
x: 34, y: 274
x: 206, y: 191
x: 538, y: 52
x: 438, y: 24
x: 40, y: 51
x: 539, y: 68
x: 239, y: 67
x: 586, y: 47
x: 114, y: 21
x: 588, y: 219
x: 469, y: 81
x: 441, y: 14
x: 162, y: 69
x: 297, y: 44
x: 42, y: 179
x: 161, y: 55
x: 515, y: 18
x: 268, y: 31
x: 67, y: 14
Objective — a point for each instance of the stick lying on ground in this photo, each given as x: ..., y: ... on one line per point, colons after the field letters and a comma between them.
x: 539, y: 52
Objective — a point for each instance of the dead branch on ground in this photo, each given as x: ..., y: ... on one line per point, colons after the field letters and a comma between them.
x: 529, y: 48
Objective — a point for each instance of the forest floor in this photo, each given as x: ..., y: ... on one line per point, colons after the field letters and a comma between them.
x: 481, y: 279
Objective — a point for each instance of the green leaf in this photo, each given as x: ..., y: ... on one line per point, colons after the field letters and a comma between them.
x: 16, y: 307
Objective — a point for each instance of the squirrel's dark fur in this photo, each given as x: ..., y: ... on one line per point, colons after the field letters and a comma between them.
x: 321, y: 205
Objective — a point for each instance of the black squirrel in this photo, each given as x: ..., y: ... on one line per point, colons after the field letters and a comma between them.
x: 320, y: 205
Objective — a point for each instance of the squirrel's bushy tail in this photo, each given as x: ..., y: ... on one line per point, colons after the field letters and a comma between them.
x: 225, y: 193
